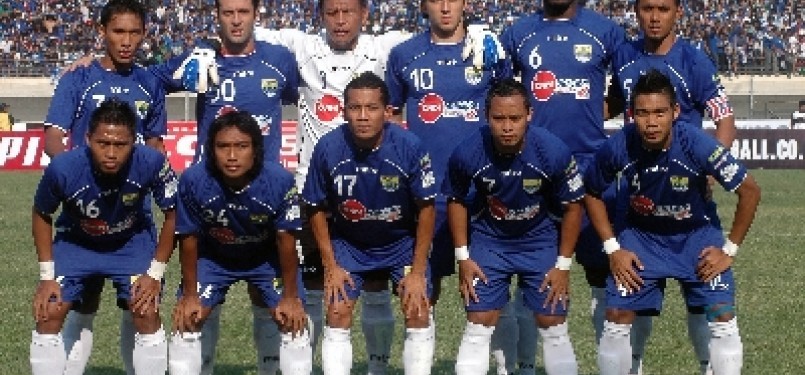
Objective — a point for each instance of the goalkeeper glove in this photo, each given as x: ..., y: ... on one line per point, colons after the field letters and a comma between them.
x: 196, y: 69
x: 484, y: 47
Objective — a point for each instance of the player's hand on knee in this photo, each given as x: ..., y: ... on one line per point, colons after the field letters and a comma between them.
x: 624, y: 265
x: 45, y: 291
x: 557, y: 284
x: 413, y: 289
x: 197, y: 70
x: 187, y: 314
x: 335, y: 281
x: 469, y: 274
x: 290, y: 315
x: 712, y: 262
x: 145, y: 295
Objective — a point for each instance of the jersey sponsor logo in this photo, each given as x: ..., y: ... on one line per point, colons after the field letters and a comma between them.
x: 430, y: 108
x: 352, y: 210
x: 645, y: 206
x: 355, y: 211
x: 433, y: 107
x: 499, y: 211
x: 679, y: 183
x: 141, y: 106
x: 583, y: 52
x: 531, y: 185
x: 390, y: 183
x: 545, y: 84
x: 269, y: 86
x: 94, y: 227
x: 473, y: 75
x: 226, y: 236
x: 328, y: 108
x: 642, y: 205
x: 729, y: 172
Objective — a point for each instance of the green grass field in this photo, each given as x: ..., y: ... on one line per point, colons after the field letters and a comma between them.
x: 770, y: 298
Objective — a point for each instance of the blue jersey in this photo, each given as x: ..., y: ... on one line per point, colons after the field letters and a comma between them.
x: 691, y: 71
x: 564, y: 65
x: 371, y: 194
x: 443, y: 94
x: 100, y: 210
x: 81, y: 91
x: 514, y: 190
x: 237, y: 227
x: 667, y: 189
x: 259, y: 82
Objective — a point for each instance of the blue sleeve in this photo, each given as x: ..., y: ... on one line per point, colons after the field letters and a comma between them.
x: 718, y: 161
x: 288, y: 214
x: 290, y: 95
x: 568, y: 179
x: 394, y: 79
x: 458, y: 181
x: 157, y: 124
x: 423, y: 182
x: 605, y: 166
x: 50, y: 191
x: 164, y: 73
x: 617, y: 37
x: 705, y: 81
x: 165, y: 186
x: 66, y: 98
x: 188, y: 211
x: 507, y: 40
x: 503, y: 69
x: 315, y: 191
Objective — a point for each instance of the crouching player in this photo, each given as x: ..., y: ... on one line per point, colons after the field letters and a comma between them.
x: 375, y: 182
x: 517, y: 172
x: 236, y: 218
x: 667, y: 233
x: 104, y: 231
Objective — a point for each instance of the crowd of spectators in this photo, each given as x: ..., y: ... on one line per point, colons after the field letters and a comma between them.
x: 741, y: 36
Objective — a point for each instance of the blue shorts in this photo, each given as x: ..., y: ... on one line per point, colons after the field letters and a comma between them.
x: 672, y: 256
x: 82, y: 271
x: 214, y: 281
x: 395, y: 274
x: 529, y: 261
x: 442, y: 256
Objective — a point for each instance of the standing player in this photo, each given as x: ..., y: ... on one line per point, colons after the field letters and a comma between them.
x: 668, y: 232
x: 697, y: 90
x: 77, y: 95
x: 563, y: 54
x: 516, y: 172
x: 374, y: 181
x: 236, y: 218
x: 443, y: 97
x: 103, y: 231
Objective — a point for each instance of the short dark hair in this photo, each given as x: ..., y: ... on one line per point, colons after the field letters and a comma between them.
x: 506, y: 88
x: 113, y: 111
x: 243, y: 121
x: 363, y: 4
x: 255, y: 4
x: 115, y: 7
x: 368, y: 80
x: 637, y: 3
x: 654, y: 82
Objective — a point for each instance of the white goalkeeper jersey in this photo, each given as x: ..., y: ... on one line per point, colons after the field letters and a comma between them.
x: 324, y: 74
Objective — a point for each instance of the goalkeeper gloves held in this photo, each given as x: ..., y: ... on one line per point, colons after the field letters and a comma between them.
x: 483, y: 46
x: 196, y: 69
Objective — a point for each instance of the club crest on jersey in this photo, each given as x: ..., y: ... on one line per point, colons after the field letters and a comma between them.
x: 583, y: 52
x: 473, y: 75
x: 328, y: 108
x: 269, y: 86
x: 130, y: 198
x: 679, y: 183
x: 390, y: 183
x: 142, y: 108
x: 531, y: 185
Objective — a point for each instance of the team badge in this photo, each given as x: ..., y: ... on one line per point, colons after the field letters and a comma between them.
x: 269, y: 86
x: 129, y: 199
x: 679, y: 183
x: 142, y: 108
x: 390, y: 183
x: 583, y: 52
x: 473, y: 75
x: 531, y: 185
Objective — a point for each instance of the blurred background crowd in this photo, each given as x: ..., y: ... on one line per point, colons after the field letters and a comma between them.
x: 37, y: 37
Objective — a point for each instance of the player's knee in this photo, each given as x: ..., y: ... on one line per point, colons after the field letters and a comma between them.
x: 720, y: 312
x: 339, y: 314
x: 547, y: 321
x: 486, y: 318
x: 620, y: 316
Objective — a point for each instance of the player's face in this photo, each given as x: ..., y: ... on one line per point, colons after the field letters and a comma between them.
x: 122, y: 34
x: 657, y: 17
x: 342, y: 21
x: 508, y: 119
x: 234, y: 155
x: 111, y: 146
x: 236, y: 20
x: 445, y: 15
x: 366, y: 115
x: 655, y: 115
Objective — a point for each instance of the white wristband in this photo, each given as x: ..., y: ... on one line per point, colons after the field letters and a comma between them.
x: 563, y: 263
x: 47, y: 270
x: 611, y: 245
x: 462, y: 253
x: 157, y: 269
x: 730, y: 248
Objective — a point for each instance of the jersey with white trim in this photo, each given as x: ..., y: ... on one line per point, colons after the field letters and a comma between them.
x: 237, y: 226
x: 325, y: 74
x: 692, y: 73
x: 81, y: 91
x: 443, y: 94
x: 99, y: 209
x: 259, y: 82
x: 667, y: 189
x: 371, y: 194
x: 513, y: 191
x: 564, y: 65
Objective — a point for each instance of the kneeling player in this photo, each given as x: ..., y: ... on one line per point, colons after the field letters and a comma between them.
x: 236, y: 221
x: 375, y: 182
x: 517, y: 172
x: 104, y: 231
x: 667, y: 232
